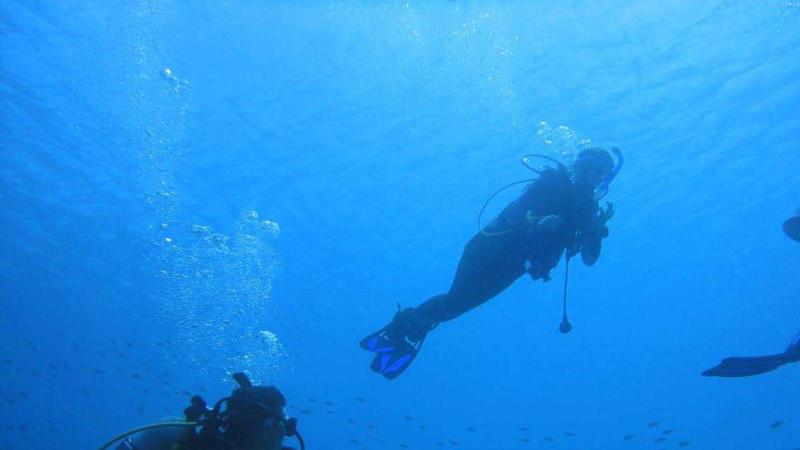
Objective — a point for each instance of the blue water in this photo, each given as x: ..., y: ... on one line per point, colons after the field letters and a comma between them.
x: 188, y: 189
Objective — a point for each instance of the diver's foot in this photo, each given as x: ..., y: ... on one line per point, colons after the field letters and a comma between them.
x: 406, y: 325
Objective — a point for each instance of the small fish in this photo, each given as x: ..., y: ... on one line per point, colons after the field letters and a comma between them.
x: 659, y: 440
x: 653, y: 424
x: 351, y: 421
x: 683, y: 444
x: 776, y: 424
x: 627, y: 437
x: 408, y: 418
x: 454, y: 443
x: 470, y: 429
x: 403, y: 446
x: 423, y: 427
x: 667, y: 432
x: 328, y: 403
x: 548, y: 439
x: 524, y: 429
x: 525, y: 440
x: 569, y: 434
x: 353, y: 440
x: 372, y: 426
x: 360, y: 400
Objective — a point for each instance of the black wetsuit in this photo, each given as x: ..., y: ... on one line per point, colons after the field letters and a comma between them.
x: 510, y: 246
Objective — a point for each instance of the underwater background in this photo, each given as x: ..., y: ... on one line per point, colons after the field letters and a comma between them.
x: 188, y: 189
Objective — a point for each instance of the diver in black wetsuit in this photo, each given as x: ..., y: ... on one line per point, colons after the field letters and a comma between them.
x: 557, y: 212
x: 745, y: 366
x: 251, y: 418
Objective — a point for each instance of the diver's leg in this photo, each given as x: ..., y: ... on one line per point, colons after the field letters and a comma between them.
x: 488, y: 266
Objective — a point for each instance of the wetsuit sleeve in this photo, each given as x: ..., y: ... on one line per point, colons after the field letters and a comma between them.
x: 591, y: 246
x: 591, y: 241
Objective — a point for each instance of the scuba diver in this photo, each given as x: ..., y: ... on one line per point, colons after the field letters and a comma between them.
x: 746, y: 366
x: 253, y: 418
x: 557, y: 212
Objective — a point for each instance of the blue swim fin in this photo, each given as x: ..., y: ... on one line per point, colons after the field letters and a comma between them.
x: 397, y: 344
x: 393, y: 353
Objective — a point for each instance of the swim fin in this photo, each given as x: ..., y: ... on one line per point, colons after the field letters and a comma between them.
x: 792, y: 228
x: 393, y: 355
x: 394, y: 349
x: 749, y: 365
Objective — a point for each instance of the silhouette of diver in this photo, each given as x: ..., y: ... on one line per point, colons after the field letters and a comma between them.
x: 746, y: 366
x: 558, y: 212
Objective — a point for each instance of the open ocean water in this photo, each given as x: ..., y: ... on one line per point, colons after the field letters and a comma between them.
x: 188, y: 189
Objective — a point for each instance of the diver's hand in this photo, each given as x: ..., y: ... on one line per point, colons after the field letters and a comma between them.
x: 549, y: 223
x: 607, y: 214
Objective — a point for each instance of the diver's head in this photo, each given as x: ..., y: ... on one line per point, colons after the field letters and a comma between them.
x: 255, y: 417
x: 592, y: 167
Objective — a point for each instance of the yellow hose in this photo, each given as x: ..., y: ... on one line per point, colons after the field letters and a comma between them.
x: 145, y: 428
